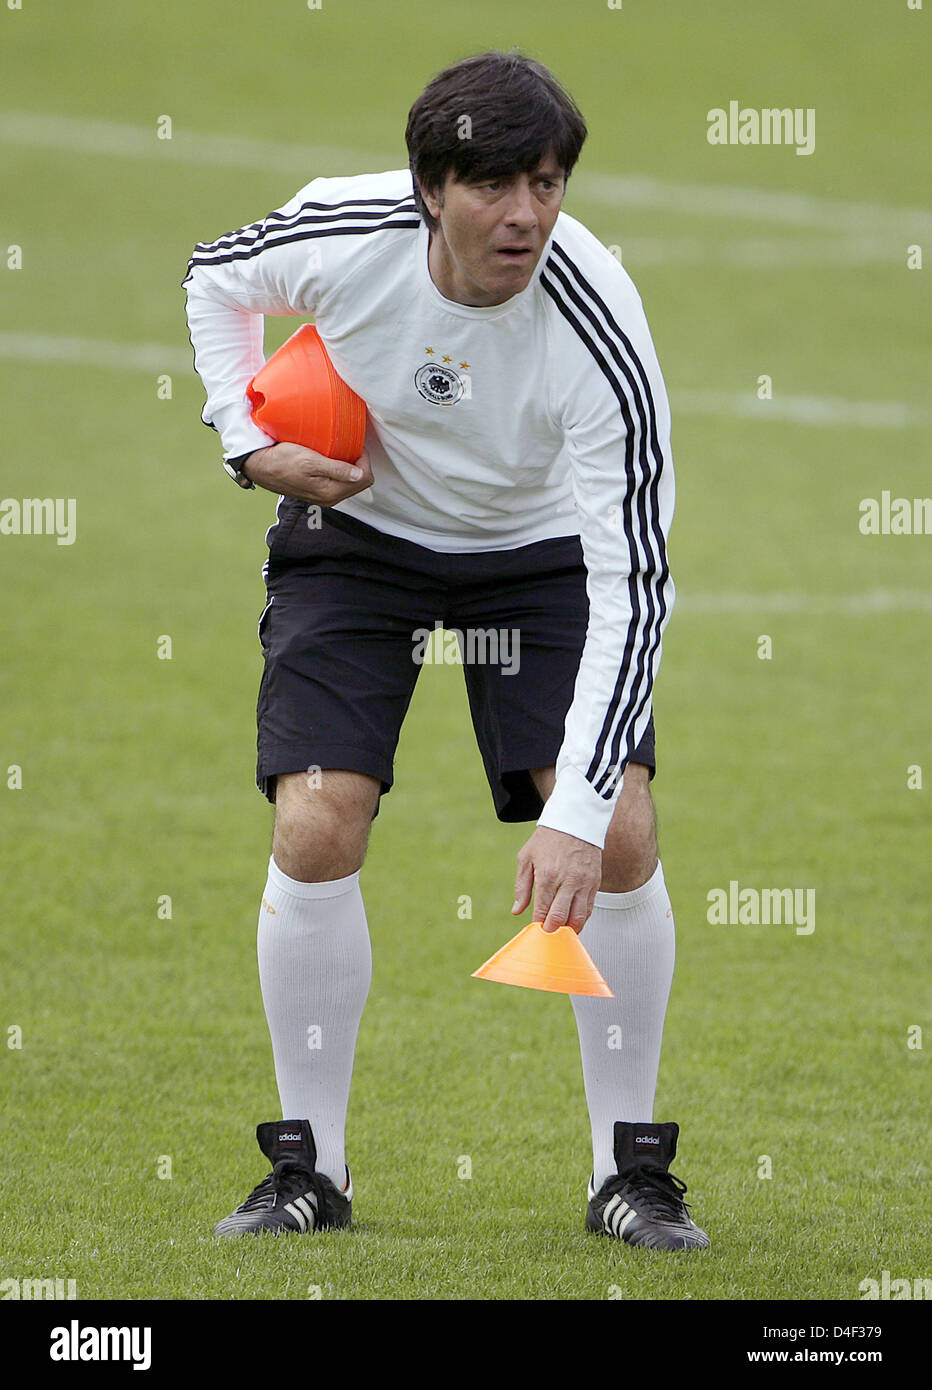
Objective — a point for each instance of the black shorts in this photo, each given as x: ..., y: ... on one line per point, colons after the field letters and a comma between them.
x: 348, y: 609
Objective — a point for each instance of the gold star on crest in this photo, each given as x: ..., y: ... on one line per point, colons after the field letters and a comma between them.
x: 446, y: 359
x: 429, y: 351
x: 465, y: 366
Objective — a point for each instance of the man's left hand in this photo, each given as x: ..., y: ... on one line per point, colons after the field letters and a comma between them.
x: 564, y: 873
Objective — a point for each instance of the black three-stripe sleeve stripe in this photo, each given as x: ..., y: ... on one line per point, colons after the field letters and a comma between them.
x: 630, y: 491
x: 634, y: 594
x: 647, y: 499
x: 304, y: 225
x: 644, y: 500
x: 248, y: 236
x: 330, y: 209
x: 648, y: 523
x: 244, y: 235
x: 381, y: 208
x: 577, y: 301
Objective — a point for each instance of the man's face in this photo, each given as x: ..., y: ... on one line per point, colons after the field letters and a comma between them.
x: 492, y: 232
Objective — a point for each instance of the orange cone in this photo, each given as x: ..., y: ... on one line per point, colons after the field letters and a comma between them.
x: 298, y: 397
x: 538, y: 959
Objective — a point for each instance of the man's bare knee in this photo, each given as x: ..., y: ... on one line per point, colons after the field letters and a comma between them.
x: 630, y: 854
x: 322, y: 823
x: 543, y: 779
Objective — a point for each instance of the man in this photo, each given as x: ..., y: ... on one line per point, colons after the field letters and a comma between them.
x: 516, y: 477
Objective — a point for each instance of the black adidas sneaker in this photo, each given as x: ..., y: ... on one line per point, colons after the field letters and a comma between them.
x: 642, y: 1203
x: 294, y: 1196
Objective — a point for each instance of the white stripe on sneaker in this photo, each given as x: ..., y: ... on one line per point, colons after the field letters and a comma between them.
x: 625, y: 1221
x: 608, y: 1211
x: 617, y: 1214
x: 308, y: 1210
x: 298, y: 1215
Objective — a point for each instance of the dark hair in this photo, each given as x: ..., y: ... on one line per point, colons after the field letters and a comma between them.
x: 491, y: 115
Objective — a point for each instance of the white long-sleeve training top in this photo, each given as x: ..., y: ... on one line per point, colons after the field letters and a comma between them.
x: 489, y: 428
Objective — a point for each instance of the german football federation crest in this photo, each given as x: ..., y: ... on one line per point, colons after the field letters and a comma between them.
x: 441, y: 384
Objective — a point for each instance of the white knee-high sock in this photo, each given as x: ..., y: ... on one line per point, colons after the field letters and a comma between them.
x: 315, y: 968
x: 631, y: 938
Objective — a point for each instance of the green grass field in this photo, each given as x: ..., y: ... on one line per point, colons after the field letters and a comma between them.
x: 142, y: 1037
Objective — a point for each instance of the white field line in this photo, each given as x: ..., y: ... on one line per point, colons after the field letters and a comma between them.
x: 754, y: 205
x: 800, y: 410
x: 760, y: 253
x: 877, y: 601
x: 94, y: 352
x: 83, y: 135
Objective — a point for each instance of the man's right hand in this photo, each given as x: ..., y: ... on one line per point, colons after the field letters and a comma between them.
x: 298, y: 472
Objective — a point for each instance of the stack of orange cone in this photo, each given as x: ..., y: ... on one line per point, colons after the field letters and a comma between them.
x: 538, y: 959
x: 298, y: 397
